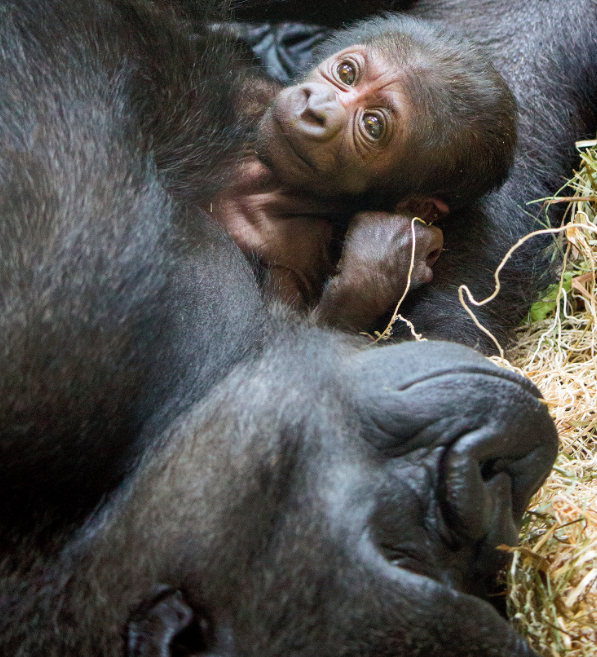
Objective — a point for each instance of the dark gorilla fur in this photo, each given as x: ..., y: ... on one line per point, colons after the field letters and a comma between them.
x: 81, y: 134
x: 183, y: 472
x: 555, y: 88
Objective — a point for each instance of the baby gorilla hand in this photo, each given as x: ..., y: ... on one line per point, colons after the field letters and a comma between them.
x: 373, y: 272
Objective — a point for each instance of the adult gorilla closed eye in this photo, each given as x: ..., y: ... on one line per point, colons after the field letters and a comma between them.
x: 182, y: 473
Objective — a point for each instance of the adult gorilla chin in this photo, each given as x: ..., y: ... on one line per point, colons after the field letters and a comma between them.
x: 183, y: 472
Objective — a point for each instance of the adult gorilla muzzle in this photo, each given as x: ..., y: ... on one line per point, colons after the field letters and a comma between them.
x: 480, y: 437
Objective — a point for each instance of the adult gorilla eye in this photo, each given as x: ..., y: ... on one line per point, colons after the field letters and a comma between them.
x: 374, y: 125
x: 347, y: 73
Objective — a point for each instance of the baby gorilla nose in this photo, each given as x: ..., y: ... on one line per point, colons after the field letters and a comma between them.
x: 318, y: 100
x: 433, y: 256
x: 321, y: 116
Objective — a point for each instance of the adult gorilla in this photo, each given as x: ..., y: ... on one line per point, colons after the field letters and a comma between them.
x: 181, y: 472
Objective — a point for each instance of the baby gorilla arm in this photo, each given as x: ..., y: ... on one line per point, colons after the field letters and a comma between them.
x: 379, y: 262
x: 291, y: 235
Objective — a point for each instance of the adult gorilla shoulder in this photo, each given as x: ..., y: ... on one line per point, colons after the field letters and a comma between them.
x: 181, y: 472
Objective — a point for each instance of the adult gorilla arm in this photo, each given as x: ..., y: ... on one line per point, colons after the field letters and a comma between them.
x: 108, y: 316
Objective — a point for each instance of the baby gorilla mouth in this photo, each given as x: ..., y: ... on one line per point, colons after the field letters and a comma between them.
x: 296, y: 150
x: 278, y: 148
x: 289, y: 135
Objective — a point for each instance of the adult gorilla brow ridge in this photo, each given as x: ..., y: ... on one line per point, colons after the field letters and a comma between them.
x: 500, y: 373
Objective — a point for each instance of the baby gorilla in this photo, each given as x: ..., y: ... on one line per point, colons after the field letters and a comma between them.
x: 399, y: 119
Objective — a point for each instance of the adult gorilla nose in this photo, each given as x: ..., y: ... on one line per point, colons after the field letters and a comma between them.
x: 490, y: 426
x: 321, y: 115
x: 486, y: 479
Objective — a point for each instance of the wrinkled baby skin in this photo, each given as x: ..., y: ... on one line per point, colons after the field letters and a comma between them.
x: 342, y: 129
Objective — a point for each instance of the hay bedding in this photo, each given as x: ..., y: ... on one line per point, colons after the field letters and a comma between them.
x: 552, y: 582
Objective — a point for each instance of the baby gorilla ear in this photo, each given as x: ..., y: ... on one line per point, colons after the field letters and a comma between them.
x: 428, y: 209
x: 164, y: 625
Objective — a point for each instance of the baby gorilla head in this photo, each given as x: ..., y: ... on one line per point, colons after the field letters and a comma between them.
x: 396, y: 108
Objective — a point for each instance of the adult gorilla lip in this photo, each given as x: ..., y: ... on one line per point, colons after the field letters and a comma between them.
x: 461, y: 608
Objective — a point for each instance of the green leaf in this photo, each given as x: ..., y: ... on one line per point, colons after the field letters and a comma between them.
x: 547, y: 305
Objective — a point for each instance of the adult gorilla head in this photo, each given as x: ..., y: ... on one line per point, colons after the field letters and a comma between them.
x: 350, y: 510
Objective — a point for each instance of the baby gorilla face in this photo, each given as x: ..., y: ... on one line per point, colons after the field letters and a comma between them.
x: 342, y: 129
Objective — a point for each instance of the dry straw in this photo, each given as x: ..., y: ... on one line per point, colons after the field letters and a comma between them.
x: 552, y: 582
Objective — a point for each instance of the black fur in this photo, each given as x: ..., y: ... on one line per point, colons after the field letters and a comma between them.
x: 555, y: 88
x: 91, y: 270
x: 181, y: 471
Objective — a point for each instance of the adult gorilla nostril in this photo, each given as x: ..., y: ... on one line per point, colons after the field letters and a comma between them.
x: 475, y: 491
x: 490, y: 468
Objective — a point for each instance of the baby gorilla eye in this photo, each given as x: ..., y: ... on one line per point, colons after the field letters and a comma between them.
x: 346, y: 72
x: 373, y: 124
